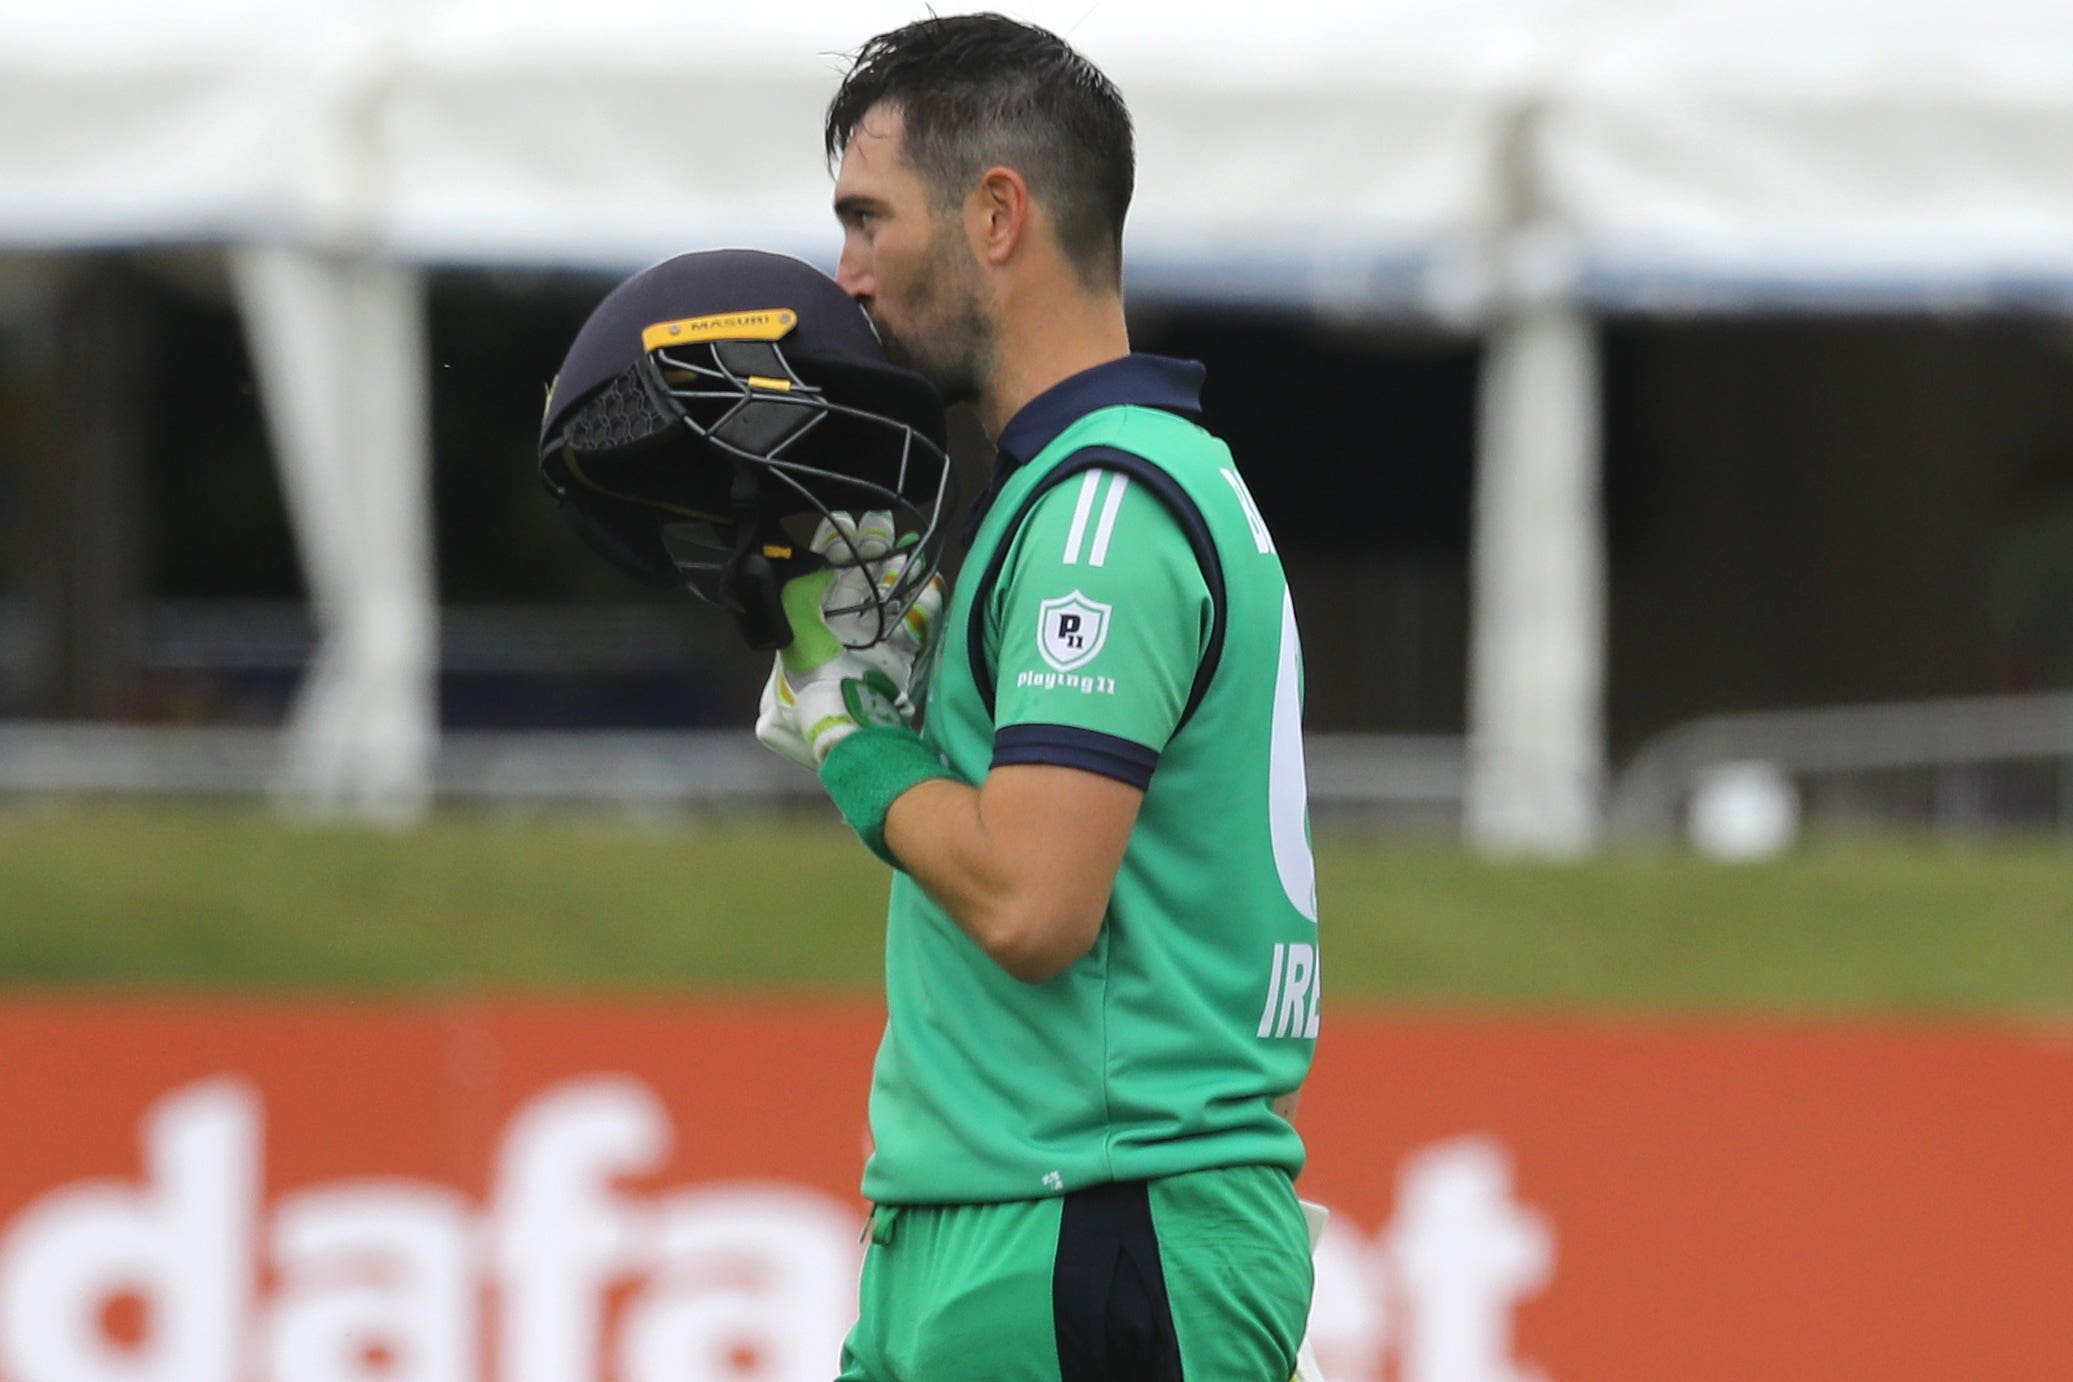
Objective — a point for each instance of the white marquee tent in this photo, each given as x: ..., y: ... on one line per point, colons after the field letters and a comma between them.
x: 1503, y: 166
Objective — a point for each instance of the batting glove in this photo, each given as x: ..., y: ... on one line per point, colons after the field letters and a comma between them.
x: 843, y: 669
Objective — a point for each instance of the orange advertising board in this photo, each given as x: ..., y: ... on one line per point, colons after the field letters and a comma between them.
x: 625, y: 1192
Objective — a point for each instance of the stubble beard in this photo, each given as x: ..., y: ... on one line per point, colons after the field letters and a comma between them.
x: 950, y: 340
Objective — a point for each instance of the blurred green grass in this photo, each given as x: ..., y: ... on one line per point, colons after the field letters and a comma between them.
x: 218, y: 898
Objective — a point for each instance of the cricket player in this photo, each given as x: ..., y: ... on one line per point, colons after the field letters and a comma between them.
x: 1102, y: 973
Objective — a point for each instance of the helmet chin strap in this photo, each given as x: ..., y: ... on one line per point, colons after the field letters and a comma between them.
x: 752, y: 581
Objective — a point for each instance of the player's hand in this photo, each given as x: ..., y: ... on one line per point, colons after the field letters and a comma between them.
x: 776, y: 727
x: 845, y: 667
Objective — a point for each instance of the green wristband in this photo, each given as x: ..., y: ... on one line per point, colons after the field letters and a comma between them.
x: 869, y: 770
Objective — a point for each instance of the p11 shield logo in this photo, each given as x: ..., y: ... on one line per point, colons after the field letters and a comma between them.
x: 1071, y: 630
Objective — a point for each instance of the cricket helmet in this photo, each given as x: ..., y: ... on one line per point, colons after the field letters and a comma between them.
x: 716, y: 407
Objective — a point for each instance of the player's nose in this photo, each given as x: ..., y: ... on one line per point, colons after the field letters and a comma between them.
x: 854, y: 277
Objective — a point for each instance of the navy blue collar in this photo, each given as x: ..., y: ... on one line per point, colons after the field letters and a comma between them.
x: 1152, y: 381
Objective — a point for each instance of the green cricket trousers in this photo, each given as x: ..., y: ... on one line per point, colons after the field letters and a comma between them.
x: 1204, y: 1277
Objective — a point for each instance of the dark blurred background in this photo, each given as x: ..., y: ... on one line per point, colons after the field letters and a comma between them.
x: 1800, y: 512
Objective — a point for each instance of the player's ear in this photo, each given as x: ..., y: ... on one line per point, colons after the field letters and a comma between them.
x: 997, y: 215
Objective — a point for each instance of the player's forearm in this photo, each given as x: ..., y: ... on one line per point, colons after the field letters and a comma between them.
x: 1024, y: 864
x: 940, y: 836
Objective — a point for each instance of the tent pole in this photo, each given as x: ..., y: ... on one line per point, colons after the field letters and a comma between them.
x: 1538, y: 570
x: 338, y: 343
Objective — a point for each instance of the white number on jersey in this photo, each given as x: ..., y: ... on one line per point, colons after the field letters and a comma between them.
x: 1288, y: 790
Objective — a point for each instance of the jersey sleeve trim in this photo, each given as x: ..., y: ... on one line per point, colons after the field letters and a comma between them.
x: 1192, y: 524
x: 1069, y: 746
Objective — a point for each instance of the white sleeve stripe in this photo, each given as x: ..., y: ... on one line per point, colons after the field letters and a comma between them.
x: 1079, y: 518
x: 1260, y: 537
x: 1108, y: 519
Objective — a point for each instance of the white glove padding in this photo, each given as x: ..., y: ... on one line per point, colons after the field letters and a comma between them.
x: 775, y: 727
x: 839, y: 673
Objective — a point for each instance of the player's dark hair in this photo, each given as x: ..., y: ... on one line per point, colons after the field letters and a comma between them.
x: 979, y: 90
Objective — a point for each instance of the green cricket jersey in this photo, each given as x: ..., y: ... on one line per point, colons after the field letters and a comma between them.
x: 1121, y: 610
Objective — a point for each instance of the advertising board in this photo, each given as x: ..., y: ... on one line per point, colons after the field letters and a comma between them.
x: 644, y: 1192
